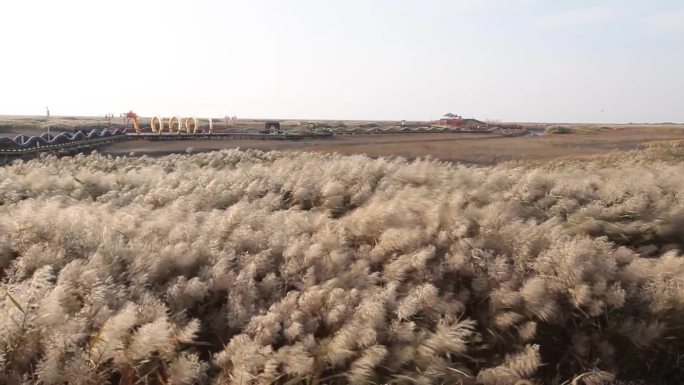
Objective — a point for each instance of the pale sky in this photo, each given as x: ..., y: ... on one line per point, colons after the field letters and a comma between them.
x: 515, y: 60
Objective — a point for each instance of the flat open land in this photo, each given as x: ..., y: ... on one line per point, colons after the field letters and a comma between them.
x: 467, y: 148
x: 584, y: 139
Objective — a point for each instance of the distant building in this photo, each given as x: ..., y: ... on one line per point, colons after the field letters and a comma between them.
x: 457, y: 121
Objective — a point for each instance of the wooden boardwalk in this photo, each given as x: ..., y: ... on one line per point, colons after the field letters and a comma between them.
x: 8, y: 155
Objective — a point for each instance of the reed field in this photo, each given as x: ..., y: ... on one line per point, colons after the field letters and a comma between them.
x: 250, y: 267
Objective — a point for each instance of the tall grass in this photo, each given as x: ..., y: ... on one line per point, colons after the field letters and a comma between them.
x: 273, y: 268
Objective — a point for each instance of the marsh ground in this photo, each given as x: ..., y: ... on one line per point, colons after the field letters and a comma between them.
x: 467, y: 148
x: 585, y: 139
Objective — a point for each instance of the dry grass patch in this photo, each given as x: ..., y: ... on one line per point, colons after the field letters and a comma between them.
x: 273, y: 268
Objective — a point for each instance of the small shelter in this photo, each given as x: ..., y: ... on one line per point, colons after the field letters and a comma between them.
x: 272, y: 127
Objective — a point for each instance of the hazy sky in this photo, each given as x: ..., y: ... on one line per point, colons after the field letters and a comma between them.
x: 520, y: 60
